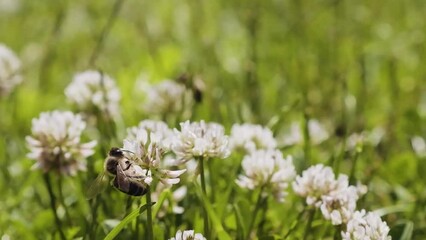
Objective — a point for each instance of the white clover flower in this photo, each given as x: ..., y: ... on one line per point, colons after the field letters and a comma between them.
x: 55, y: 143
x: 419, y: 146
x: 251, y: 137
x: 339, y: 204
x: 366, y: 226
x: 93, y: 91
x: 10, y: 6
x: 200, y: 139
x: 188, y: 235
x: 372, y: 138
x: 317, y: 133
x: 177, y: 196
x: 315, y: 182
x: 144, y: 150
x: 159, y: 130
x: 10, y: 67
x: 335, y: 197
x: 267, y: 169
x: 167, y: 97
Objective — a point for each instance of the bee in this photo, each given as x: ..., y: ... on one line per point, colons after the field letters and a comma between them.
x: 127, y: 175
x: 195, y: 83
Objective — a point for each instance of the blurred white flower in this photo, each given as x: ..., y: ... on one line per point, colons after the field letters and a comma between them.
x: 159, y: 130
x: 177, y: 196
x: 315, y: 182
x: 55, y: 143
x: 145, y: 150
x: 267, y: 169
x: 93, y: 91
x: 167, y: 97
x: 10, y: 67
x: 200, y: 139
x: 10, y: 6
x: 335, y: 197
x: 372, y: 138
x: 366, y: 226
x: 251, y: 137
x: 188, y: 235
x: 339, y: 204
x: 317, y: 133
x: 419, y: 146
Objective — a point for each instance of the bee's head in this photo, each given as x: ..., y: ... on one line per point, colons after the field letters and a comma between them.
x: 116, y: 152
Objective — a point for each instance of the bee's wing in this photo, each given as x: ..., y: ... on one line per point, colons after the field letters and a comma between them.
x: 97, y: 186
x: 123, y: 181
x: 135, y: 172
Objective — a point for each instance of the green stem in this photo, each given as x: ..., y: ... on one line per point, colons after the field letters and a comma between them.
x: 309, y: 223
x: 210, y: 168
x: 105, y: 31
x: 136, y: 232
x: 53, y: 205
x: 307, y: 141
x: 256, y: 210
x: 149, y: 215
x: 296, y: 224
x: 353, y: 168
x: 337, y: 231
x: 128, y: 204
x: 62, y: 200
x: 203, y: 187
x: 94, y: 203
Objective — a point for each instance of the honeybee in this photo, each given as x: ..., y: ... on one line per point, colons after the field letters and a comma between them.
x: 127, y: 175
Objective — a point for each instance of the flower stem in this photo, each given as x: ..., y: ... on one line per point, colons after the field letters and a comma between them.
x: 62, y: 199
x: 105, y: 31
x: 203, y: 187
x: 211, y: 180
x: 353, y: 167
x: 309, y: 223
x: 307, y: 140
x: 259, y: 203
x: 149, y: 215
x: 295, y: 224
x: 94, y: 203
x: 53, y: 205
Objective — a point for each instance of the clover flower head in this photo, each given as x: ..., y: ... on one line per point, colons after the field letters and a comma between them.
x: 55, y: 143
x: 366, y: 225
x: 294, y: 136
x: 10, y: 67
x: 269, y: 170
x: 371, y: 138
x: 339, y: 204
x: 145, y: 151
x: 200, y: 139
x: 10, y: 6
x: 167, y: 97
x: 315, y: 182
x: 419, y: 146
x: 93, y: 91
x: 160, y: 133
x: 188, y: 235
x: 251, y: 137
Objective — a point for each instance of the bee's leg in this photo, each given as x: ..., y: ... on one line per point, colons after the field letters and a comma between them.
x: 114, y: 182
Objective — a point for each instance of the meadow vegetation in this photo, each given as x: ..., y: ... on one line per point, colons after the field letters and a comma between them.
x: 244, y: 119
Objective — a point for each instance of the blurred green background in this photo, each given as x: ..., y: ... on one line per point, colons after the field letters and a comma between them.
x: 354, y: 65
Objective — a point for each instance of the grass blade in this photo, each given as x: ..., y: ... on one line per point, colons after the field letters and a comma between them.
x: 408, y: 231
x: 133, y: 215
x: 222, y: 234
